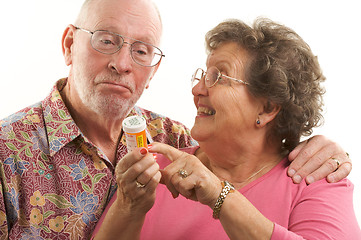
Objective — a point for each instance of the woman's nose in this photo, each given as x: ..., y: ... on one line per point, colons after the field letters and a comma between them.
x: 200, y: 88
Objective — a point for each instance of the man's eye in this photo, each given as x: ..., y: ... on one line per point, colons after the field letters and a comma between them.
x: 140, y: 52
x: 140, y: 49
x: 106, y: 42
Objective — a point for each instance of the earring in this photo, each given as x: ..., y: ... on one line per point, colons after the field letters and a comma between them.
x: 258, y: 121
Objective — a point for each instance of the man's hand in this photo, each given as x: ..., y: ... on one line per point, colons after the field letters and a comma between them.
x: 317, y: 158
x: 137, y: 175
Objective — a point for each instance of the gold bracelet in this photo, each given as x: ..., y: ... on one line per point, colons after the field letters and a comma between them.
x: 227, y: 187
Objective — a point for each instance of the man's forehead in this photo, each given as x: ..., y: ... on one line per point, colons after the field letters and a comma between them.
x: 145, y: 36
x: 145, y: 8
x: 139, y: 20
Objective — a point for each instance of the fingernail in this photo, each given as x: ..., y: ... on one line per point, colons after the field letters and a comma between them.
x: 143, y: 151
x: 291, y: 172
x: 331, y: 179
x: 310, y: 179
x: 297, y: 178
x: 150, y: 146
x: 154, y: 156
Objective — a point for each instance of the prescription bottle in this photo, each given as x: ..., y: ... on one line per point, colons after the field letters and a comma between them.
x: 134, y: 130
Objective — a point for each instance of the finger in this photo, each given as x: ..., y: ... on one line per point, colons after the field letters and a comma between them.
x: 304, y: 152
x: 342, y: 172
x: 166, y: 180
x: 170, y: 175
x: 186, y: 187
x: 143, y: 166
x: 129, y: 176
x: 320, y: 165
x: 185, y: 183
x: 321, y: 158
x: 147, y: 175
x: 178, y: 184
x: 130, y: 158
x: 133, y: 191
x: 172, y: 171
x: 293, y: 154
x: 325, y: 169
x: 170, y: 152
x: 335, y: 169
x: 149, y: 187
x: 139, y: 199
x: 175, y: 172
x: 152, y: 184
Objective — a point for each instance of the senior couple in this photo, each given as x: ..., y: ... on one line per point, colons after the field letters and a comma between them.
x: 64, y: 158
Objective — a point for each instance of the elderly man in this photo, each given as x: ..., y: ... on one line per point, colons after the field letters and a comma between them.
x: 58, y: 156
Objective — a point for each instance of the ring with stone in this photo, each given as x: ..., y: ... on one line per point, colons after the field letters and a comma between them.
x: 183, y: 173
x: 139, y: 185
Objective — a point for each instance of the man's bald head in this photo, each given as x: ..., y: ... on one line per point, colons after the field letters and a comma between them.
x: 89, y: 5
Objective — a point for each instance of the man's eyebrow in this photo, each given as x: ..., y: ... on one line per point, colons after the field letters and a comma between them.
x: 144, y: 39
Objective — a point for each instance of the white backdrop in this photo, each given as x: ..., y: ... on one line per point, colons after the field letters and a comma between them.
x: 31, y: 58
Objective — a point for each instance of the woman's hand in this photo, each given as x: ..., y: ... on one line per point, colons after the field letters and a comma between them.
x: 137, y: 176
x: 317, y: 158
x: 186, y: 175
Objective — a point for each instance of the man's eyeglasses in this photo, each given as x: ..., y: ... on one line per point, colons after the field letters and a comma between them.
x: 107, y: 42
x: 212, y: 76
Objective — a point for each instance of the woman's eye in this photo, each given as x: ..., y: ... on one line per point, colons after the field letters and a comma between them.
x: 221, y: 79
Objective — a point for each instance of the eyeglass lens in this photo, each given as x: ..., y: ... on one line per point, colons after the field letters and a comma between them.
x: 197, y: 76
x: 211, y: 76
x: 142, y: 53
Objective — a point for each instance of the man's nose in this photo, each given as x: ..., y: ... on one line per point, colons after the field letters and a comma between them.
x: 122, y: 60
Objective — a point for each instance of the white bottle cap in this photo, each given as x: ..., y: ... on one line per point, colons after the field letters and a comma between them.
x: 134, y: 124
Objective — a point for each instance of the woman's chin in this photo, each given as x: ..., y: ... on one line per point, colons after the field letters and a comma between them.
x: 199, y: 132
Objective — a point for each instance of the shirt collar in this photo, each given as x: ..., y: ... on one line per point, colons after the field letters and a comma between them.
x: 60, y: 126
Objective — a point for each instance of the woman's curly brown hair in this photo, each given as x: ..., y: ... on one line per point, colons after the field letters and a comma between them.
x: 282, y: 69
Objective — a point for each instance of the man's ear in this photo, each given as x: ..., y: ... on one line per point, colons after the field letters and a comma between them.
x: 155, y: 68
x: 67, y: 42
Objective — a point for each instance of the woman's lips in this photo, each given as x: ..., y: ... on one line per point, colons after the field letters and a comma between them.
x: 202, y: 110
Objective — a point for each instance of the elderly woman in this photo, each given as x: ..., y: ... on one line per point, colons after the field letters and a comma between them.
x: 260, y: 93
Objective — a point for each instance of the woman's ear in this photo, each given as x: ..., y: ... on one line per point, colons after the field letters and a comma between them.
x: 67, y: 42
x: 270, y: 111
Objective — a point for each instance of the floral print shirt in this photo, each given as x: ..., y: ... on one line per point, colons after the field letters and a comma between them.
x: 54, y: 183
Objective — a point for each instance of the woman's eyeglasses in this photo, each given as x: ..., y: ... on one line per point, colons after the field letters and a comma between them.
x: 212, y: 76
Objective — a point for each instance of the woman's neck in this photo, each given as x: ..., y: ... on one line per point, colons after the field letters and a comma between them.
x: 238, y: 165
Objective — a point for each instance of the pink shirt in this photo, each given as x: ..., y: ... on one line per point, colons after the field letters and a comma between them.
x: 300, y: 211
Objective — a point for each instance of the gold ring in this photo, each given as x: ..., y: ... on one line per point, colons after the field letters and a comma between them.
x: 139, y: 185
x: 337, y: 162
x: 183, y: 173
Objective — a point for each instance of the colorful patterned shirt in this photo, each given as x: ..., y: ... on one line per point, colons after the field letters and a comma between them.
x: 54, y: 183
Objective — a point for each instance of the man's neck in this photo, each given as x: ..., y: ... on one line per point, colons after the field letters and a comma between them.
x: 103, y: 132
